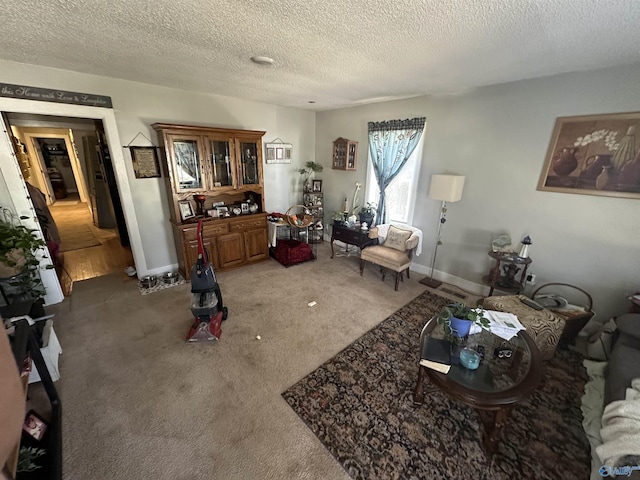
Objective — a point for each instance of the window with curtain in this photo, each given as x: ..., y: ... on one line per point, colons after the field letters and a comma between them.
x: 395, y: 161
x: 401, y: 192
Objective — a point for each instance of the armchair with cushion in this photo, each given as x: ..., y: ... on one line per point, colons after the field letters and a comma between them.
x: 396, y: 247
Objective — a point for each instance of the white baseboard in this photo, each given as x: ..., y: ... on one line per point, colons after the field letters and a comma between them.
x: 462, y: 283
x: 161, y: 270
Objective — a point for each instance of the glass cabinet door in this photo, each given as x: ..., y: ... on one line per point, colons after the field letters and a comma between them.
x: 186, y: 163
x: 249, y: 163
x: 221, y: 163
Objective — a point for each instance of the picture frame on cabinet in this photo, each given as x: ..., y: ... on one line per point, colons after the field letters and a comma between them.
x: 34, y: 425
x: 244, y: 206
x: 186, y: 210
x: 317, y: 186
x: 594, y: 155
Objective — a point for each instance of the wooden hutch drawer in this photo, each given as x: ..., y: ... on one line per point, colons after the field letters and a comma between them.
x: 209, y: 229
x: 348, y: 235
x: 248, y: 224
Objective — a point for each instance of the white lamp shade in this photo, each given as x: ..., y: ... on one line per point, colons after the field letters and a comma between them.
x: 446, y: 188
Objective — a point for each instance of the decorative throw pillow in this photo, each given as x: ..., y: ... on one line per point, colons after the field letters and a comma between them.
x: 397, y: 238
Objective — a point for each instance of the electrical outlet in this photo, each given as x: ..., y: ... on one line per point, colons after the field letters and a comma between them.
x: 531, y: 279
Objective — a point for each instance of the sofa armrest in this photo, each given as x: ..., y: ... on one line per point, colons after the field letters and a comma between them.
x: 412, y: 242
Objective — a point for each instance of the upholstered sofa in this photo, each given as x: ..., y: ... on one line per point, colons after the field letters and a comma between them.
x: 611, y: 404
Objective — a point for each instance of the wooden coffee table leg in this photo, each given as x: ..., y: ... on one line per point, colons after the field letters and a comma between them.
x: 493, y: 423
x: 418, y: 393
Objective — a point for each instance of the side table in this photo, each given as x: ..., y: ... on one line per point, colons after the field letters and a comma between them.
x: 503, y: 275
x: 350, y: 236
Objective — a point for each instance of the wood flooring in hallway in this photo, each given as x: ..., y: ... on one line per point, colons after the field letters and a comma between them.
x: 81, y: 264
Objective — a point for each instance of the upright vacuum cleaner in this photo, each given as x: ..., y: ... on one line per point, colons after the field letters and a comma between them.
x: 206, y: 301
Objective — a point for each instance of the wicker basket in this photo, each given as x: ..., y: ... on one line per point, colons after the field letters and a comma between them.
x: 298, y: 216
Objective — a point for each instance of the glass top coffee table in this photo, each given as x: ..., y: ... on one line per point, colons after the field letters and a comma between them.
x: 495, y: 386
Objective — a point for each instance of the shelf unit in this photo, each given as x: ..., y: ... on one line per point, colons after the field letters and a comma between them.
x: 314, y: 201
x: 345, y: 154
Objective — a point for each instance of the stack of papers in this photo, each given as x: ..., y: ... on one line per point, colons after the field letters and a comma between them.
x: 504, y: 325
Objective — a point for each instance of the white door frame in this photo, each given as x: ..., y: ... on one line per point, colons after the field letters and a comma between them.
x: 17, y: 189
x: 37, y: 166
x: 32, y: 133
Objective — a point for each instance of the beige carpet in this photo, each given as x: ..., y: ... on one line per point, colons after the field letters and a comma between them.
x: 139, y: 403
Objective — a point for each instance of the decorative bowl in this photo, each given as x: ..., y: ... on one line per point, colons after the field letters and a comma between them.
x: 469, y: 358
x: 149, y: 281
x: 170, y: 278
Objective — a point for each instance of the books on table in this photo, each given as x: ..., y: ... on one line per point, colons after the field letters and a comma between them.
x: 435, y: 355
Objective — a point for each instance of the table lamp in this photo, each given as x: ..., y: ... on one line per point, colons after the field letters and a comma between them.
x: 446, y: 188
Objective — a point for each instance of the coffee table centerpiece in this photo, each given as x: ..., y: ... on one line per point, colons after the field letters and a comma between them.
x: 457, y: 318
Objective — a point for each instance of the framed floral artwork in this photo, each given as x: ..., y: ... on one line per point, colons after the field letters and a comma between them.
x: 594, y: 155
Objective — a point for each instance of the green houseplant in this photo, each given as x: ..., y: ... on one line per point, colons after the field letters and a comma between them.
x: 19, y: 263
x: 457, y: 318
x: 368, y: 213
x: 309, y: 169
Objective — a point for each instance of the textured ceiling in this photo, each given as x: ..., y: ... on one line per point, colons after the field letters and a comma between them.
x: 336, y: 53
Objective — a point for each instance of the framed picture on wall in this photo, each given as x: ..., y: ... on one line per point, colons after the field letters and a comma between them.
x: 278, y: 152
x: 594, y: 155
x: 145, y: 162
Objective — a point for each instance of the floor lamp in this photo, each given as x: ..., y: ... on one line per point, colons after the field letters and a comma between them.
x: 446, y: 188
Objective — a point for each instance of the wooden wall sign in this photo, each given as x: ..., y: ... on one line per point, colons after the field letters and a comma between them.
x: 55, y: 96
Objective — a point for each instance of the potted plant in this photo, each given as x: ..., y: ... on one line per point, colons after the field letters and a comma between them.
x: 309, y: 169
x: 368, y: 213
x: 338, y: 218
x: 19, y: 263
x: 457, y: 318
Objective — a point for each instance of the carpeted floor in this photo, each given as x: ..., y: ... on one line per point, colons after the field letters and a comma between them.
x: 360, y: 406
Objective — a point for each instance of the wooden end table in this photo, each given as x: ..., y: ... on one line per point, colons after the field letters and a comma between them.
x: 495, y: 387
x: 350, y: 236
x: 503, y: 275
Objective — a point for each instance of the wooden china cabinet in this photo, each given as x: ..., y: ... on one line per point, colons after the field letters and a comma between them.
x: 225, y: 167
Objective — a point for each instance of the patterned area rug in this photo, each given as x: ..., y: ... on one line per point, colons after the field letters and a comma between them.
x: 75, y: 237
x: 360, y: 406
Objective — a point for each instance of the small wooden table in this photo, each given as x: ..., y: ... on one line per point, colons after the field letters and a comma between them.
x: 495, y: 387
x: 505, y: 280
x: 350, y: 236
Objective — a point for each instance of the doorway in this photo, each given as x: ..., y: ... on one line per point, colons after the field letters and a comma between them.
x: 67, y: 159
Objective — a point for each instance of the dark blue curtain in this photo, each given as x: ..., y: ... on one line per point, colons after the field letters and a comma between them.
x: 391, y: 143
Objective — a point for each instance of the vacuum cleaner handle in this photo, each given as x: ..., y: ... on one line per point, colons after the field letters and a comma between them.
x: 201, y: 250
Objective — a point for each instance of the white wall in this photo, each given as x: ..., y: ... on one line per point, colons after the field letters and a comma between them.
x: 498, y: 137
x: 137, y: 106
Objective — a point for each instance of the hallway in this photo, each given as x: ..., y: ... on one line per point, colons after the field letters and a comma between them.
x: 86, y: 251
